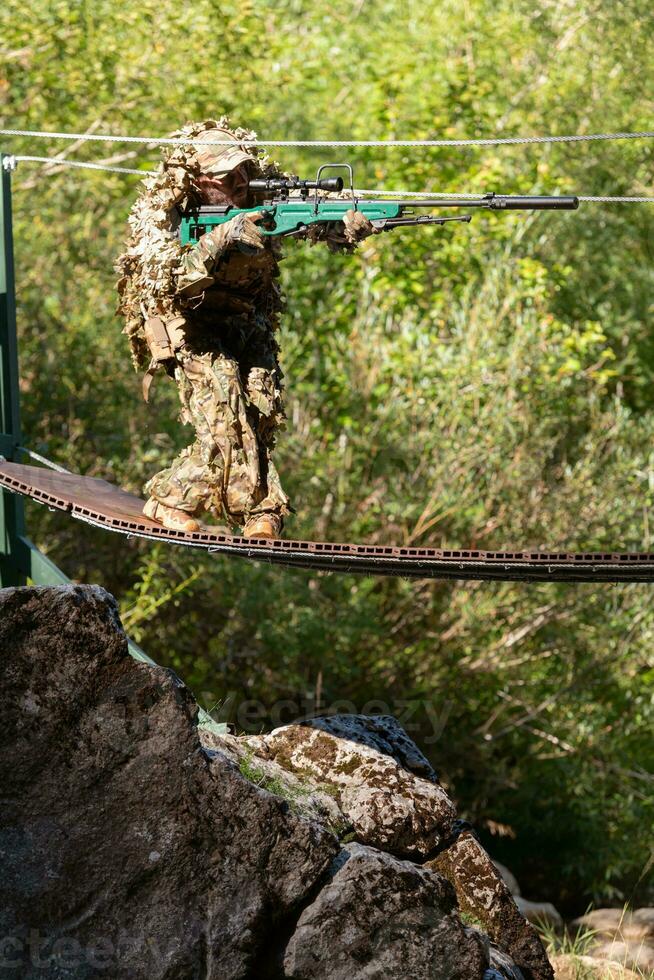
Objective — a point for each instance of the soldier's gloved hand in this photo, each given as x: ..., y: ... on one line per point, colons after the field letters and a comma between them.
x: 357, y: 226
x: 342, y: 236
x: 245, y: 234
x: 196, y: 271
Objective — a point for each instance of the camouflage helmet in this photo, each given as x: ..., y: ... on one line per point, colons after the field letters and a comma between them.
x: 218, y: 161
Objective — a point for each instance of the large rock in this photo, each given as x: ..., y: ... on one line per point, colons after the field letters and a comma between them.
x: 348, y: 933
x: 385, y: 789
x: 119, y: 835
x: 483, y: 894
x: 381, y: 733
x: 134, y: 844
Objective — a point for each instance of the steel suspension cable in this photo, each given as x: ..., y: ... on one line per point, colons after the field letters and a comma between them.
x: 42, y: 459
x: 83, y: 165
x: 56, y: 162
x: 493, y: 141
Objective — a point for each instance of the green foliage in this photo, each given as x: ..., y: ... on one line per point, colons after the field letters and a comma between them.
x: 479, y: 387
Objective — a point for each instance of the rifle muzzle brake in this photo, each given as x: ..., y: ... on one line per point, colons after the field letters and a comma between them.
x: 502, y: 202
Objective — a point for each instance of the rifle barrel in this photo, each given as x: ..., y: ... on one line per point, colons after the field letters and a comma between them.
x: 498, y: 202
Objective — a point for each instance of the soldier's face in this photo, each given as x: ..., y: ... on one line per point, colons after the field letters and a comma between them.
x: 231, y: 188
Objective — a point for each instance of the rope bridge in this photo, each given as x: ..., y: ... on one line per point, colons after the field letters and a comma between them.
x: 103, y: 505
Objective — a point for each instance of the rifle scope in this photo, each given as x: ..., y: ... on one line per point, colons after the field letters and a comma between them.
x: 294, y: 183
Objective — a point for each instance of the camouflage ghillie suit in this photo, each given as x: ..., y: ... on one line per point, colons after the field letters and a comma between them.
x: 207, y: 315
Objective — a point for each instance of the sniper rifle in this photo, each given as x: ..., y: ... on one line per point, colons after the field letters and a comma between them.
x: 283, y: 214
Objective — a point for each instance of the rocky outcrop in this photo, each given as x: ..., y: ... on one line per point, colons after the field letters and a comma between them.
x: 387, y: 793
x: 135, y: 844
x: 414, y: 931
x: 483, y: 894
x: 119, y: 834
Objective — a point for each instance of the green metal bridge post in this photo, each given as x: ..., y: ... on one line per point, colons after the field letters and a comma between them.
x: 19, y: 558
x: 12, y: 520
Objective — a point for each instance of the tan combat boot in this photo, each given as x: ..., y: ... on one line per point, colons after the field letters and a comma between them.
x: 170, y: 517
x: 263, y: 526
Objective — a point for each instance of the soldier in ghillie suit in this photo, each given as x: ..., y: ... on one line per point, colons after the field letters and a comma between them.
x: 207, y: 315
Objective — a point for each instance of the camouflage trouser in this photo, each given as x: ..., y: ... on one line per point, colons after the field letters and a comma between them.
x: 227, y: 471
